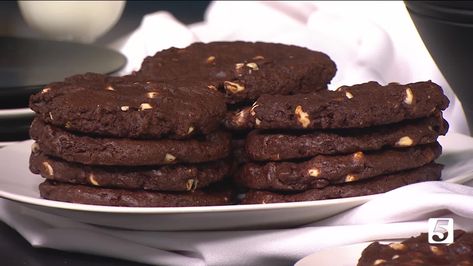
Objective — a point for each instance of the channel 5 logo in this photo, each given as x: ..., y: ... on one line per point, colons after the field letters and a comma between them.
x: 440, y: 230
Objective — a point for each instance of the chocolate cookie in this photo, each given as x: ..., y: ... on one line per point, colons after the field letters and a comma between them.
x: 165, y: 178
x: 132, y: 198
x: 122, y: 107
x: 324, y: 170
x: 127, y: 152
x: 358, y: 106
x: 380, y: 184
x: 242, y: 70
x: 418, y: 251
x: 272, y: 146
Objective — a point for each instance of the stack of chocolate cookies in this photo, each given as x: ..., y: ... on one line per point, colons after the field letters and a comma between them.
x: 121, y: 142
x: 170, y: 133
x: 358, y: 140
x: 242, y: 71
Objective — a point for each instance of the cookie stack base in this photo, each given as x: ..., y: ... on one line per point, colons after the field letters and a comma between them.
x: 132, y: 198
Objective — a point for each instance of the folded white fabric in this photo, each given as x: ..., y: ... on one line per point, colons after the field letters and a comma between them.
x: 397, y: 214
x: 368, y: 41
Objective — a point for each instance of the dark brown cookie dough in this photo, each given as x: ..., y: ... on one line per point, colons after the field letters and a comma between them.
x: 324, y: 170
x: 128, y: 152
x: 417, y: 251
x: 242, y: 70
x: 121, y: 107
x: 164, y: 178
x: 359, y: 106
x: 133, y: 198
x: 380, y: 184
x: 273, y: 146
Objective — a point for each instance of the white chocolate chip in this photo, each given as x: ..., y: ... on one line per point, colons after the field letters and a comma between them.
x: 409, y: 96
x: 190, y: 130
x: 397, y: 246
x: 145, y: 106
x: 238, y: 66
x: 125, y: 108
x: 405, y: 141
x: 191, y: 184
x: 210, y: 59
x: 109, y: 88
x: 92, y: 180
x: 351, y: 178
x: 314, y: 172
x: 258, y: 57
x: 45, y: 90
x: 233, y: 87
x: 378, y: 262
x: 257, y: 122
x: 241, y: 117
x: 35, y: 147
x: 348, y: 95
x: 212, y: 87
x: 436, y: 250
x: 152, y: 94
x: 357, y: 156
x: 395, y: 257
x: 252, y: 110
x: 169, y: 158
x: 51, y: 116
x: 253, y: 66
x: 302, y: 116
x: 48, y: 168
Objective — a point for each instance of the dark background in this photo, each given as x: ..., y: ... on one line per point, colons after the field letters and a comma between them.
x: 14, y: 250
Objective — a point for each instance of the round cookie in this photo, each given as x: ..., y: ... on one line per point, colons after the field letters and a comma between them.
x: 164, y: 178
x: 122, y: 107
x: 380, y: 184
x: 418, y: 251
x: 132, y: 198
x: 324, y: 170
x: 242, y: 70
x: 359, y: 106
x: 274, y: 146
x: 128, y: 152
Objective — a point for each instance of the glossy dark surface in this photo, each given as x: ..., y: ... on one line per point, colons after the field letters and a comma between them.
x: 447, y: 29
x: 28, y: 64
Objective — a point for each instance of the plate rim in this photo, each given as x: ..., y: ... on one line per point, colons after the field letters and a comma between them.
x: 15, y: 112
x: 177, y: 210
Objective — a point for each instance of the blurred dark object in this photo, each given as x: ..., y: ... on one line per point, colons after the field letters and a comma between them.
x: 446, y: 27
x: 27, y: 64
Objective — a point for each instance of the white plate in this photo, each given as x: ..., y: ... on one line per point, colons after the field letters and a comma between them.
x: 4, y: 113
x: 18, y: 184
x: 340, y: 256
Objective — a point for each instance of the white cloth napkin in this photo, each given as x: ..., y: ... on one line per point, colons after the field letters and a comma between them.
x: 368, y: 41
x: 397, y: 214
